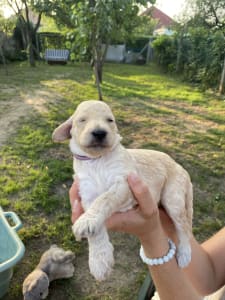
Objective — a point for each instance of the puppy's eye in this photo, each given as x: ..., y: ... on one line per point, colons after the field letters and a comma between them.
x: 110, y: 120
x: 82, y: 120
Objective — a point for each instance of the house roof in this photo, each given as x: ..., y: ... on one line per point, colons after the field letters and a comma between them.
x: 163, y: 19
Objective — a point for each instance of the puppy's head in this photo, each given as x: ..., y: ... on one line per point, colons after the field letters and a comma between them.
x: 92, y: 129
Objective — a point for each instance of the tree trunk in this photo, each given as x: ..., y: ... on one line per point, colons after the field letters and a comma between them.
x: 31, y: 54
x: 30, y: 32
x: 222, y: 81
x: 36, y: 50
x: 4, y: 60
x: 30, y: 50
x: 179, y: 52
x: 98, y: 67
x: 24, y: 40
x: 98, y: 73
x: 179, y: 49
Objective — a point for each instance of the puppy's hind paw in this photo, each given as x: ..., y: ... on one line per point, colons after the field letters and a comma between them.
x: 183, y: 255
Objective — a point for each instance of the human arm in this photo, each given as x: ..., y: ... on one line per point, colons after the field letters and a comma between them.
x: 144, y: 222
x: 207, y: 268
x: 206, y: 271
x: 138, y: 221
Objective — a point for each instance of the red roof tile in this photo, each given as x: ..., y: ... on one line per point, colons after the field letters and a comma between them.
x: 163, y: 19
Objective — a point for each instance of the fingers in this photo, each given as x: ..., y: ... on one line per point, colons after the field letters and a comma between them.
x: 121, y: 221
x: 77, y: 210
x: 141, y: 220
x: 142, y: 195
x: 75, y: 201
x: 74, y: 192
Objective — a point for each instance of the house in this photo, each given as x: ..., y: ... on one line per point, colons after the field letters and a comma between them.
x: 164, y: 23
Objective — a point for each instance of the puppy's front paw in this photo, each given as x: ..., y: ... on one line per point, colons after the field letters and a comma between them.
x: 101, y: 262
x: 86, y: 226
x: 183, y: 255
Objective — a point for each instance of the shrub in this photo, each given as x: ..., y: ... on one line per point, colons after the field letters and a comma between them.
x: 200, y: 55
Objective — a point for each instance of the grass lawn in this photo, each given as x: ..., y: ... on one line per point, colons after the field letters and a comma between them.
x: 153, y: 110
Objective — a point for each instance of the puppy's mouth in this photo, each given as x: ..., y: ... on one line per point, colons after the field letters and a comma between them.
x: 97, y: 145
x: 94, y: 149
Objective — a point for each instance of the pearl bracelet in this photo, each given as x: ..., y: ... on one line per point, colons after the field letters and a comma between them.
x: 161, y: 260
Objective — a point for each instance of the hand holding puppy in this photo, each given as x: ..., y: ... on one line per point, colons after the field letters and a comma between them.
x: 142, y: 221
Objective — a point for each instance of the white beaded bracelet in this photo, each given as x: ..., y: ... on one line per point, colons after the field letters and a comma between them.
x: 161, y: 260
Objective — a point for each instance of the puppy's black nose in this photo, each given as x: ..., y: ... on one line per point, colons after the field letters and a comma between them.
x: 99, y: 134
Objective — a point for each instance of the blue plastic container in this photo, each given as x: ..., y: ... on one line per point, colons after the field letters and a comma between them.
x: 11, y: 248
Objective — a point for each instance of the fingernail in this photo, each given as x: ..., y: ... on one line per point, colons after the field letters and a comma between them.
x: 134, y: 177
x: 75, y: 205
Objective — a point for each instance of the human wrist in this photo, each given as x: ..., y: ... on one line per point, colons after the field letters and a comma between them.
x: 152, y: 234
x: 155, y: 244
x: 159, y: 260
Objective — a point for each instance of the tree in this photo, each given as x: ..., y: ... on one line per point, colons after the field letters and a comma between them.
x: 22, y: 10
x: 2, y: 55
x: 212, y: 15
x: 6, y: 26
x: 95, y: 22
x: 197, y: 49
x: 146, y: 26
x: 104, y: 21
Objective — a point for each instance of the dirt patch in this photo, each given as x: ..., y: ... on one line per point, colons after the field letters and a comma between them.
x: 19, y: 107
x: 123, y: 275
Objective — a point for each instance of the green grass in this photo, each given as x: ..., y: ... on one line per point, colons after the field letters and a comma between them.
x: 153, y: 110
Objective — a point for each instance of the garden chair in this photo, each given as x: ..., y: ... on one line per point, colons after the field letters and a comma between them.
x: 57, y: 56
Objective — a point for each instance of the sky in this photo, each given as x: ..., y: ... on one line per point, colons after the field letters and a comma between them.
x: 7, y: 12
x: 170, y: 7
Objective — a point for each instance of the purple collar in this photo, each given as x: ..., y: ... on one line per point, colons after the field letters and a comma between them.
x: 83, y: 157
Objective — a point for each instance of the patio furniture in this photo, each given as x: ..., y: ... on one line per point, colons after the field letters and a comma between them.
x: 57, y: 56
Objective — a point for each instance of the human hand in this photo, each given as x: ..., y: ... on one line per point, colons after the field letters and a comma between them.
x: 135, y: 221
x: 141, y: 220
x: 145, y: 219
x: 75, y: 201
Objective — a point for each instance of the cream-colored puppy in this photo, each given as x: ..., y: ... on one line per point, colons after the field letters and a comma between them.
x: 102, y: 165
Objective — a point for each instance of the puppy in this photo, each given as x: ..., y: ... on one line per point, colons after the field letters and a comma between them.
x: 102, y: 165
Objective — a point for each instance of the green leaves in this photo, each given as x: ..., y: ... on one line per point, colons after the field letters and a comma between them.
x: 197, y: 50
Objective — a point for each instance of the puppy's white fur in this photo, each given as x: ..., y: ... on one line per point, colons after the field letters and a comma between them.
x: 103, y: 182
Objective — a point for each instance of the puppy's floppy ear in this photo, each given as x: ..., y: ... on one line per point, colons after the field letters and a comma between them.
x: 62, y: 132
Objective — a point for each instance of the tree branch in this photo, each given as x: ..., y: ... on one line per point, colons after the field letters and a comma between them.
x: 27, y: 13
x: 38, y: 22
x: 17, y: 12
x: 214, y: 14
